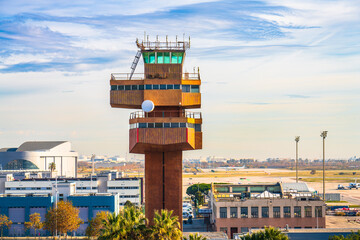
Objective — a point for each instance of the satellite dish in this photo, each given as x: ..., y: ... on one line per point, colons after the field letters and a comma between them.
x: 147, y: 106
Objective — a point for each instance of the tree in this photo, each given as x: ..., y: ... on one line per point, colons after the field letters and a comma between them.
x: 4, y: 222
x: 35, y: 222
x: 352, y: 236
x: 52, y: 167
x: 166, y: 226
x: 195, y: 237
x: 269, y: 233
x: 129, y: 224
x: 128, y: 204
x: 312, y: 172
x: 63, y: 218
x: 197, y: 191
x: 96, y: 224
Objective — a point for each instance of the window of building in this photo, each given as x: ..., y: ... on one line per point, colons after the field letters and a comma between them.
x: 183, y: 125
x: 127, y: 87
x: 197, y: 127
x: 141, y: 87
x: 264, y: 212
x: 151, y: 125
x: 223, y: 229
x: 244, y: 212
x: 287, y: 212
x: 134, y: 87
x: 244, y: 229
x: 276, y: 212
x: 158, y: 125
x: 195, y: 88
x: 142, y: 125
x: 308, y: 212
x: 177, y: 86
x: 160, y: 57
x: 146, y: 57
x: 185, y: 88
x: 169, y: 86
x: 120, y: 87
x: 318, y: 211
x: 222, y: 189
x: 238, y: 189
x: 151, y: 57
x: 166, y: 125
x: 254, y: 212
x: 233, y: 212
x: 297, y: 211
x: 166, y: 57
x: 113, y: 87
x: 163, y: 87
x: 155, y: 86
x: 148, y: 86
x: 223, y: 212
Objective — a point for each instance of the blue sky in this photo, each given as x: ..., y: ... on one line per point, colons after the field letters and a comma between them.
x: 271, y: 70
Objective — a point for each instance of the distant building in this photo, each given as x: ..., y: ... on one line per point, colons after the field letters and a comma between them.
x: 37, y: 156
x: 239, y: 208
x: 19, y: 207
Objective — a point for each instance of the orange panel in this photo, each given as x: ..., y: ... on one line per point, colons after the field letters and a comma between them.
x: 129, y: 98
x: 191, y: 99
x: 163, y: 97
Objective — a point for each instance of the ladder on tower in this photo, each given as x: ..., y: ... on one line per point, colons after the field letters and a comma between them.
x: 135, y: 62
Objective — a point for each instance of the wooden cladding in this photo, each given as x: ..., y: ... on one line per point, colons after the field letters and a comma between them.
x: 162, y: 136
x: 134, y: 98
x: 198, y: 140
x: 163, y: 97
x: 191, y: 99
x: 170, y: 71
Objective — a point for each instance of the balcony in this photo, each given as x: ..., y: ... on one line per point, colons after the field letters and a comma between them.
x: 168, y: 45
x: 167, y: 114
x: 141, y: 76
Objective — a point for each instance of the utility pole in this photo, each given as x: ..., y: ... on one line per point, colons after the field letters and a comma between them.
x: 323, y: 135
x: 297, y: 139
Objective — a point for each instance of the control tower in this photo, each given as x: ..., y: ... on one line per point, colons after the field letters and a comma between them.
x: 164, y: 130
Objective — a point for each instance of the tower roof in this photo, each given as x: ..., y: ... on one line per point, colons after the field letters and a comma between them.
x: 39, y: 146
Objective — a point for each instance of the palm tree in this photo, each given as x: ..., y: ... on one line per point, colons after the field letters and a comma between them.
x: 166, y: 226
x: 128, y: 224
x: 52, y: 167
x: 195, y: 237
x: 269, y: 233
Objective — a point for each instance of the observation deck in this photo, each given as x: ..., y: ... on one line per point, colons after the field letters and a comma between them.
x: 165, y: 130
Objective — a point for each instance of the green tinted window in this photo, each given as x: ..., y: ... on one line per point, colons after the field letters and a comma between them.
x: 194, y: 88
x: 174, y: 57
x: 166, y: 57
x: 160, y: 57
x: 180, y: 57
x: 146, y: 57
x: 239, y: 189
x: 222, y: 189
x: 151, y: 57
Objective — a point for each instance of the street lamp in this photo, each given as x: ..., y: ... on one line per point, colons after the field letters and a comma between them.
x: 324, y: 135
x: 297, y: 139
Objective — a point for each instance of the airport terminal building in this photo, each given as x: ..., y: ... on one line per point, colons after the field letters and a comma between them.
x: 36, y: 157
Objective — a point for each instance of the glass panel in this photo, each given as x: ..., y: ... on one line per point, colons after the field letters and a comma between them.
x: 146, y: 57
x: 174, y: 57
x: 244, y: 212
x: 19, y: 164
x: 183, y: 125
x: 151, y: 57
x: 318, y: 211
x: 265, y: 212
x: 174, y: 125
x: 222, y: 189
x: 151, y: 125
x: 158, y: 125
x: 141, y: 87
x: 276, y: 212
x: 195, y: 88
x: 142, y: 125
x: 223, y: 212
x: 166, y: 125
x: 166, y: 57
x: 163, y: 86
x: 121, y: 87
x: 254, y: 212
x: 155, y: 86
x: 287, y: 213
x: 148, y: 86
x: 160, y: 57
x: 169, y: 86
x: 308, y: 212
x: 297, y: 211
x: 197, y: 127
x: 236, y: 189
x: 259, y: 189
x: 186, y: 88
x: 176, y: 86
x: 233, y: 212
x: 180, y: 57
x: 113, y: 87
x: 127, y: 87
x: 134, y: 87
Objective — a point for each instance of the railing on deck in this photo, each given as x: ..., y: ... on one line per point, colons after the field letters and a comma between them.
x: 141, y: 76
x: 168, y: 45
x: 166, y: 113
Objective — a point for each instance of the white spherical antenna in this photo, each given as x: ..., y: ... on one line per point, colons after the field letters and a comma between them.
x: 147, y: 106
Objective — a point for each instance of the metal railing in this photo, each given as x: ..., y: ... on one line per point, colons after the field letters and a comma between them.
x: 141, y: 76
x: 165, y: 113
x: 177, y: 45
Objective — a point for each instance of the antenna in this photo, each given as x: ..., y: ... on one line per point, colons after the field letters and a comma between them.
x: 144, y: 36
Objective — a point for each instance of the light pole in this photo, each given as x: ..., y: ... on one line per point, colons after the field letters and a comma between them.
x: 297, y: 139
x: 323, y: 135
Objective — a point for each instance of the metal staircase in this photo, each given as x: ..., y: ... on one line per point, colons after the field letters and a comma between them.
x: 134, y: 64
